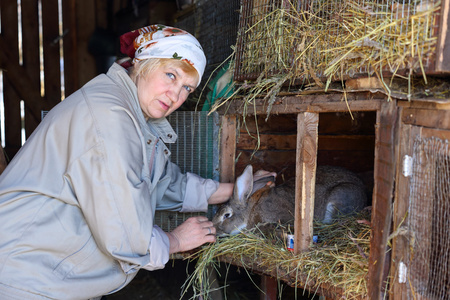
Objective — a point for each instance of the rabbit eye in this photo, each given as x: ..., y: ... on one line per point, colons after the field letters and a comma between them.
x: 227, y: 215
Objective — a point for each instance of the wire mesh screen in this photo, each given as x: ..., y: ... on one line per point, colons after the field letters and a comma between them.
x: 429, y: 219
x: 195, y: 151
x: 215, y: 24
x: 335, y: 38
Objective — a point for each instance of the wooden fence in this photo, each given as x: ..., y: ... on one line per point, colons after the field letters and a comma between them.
x: 44, y: 54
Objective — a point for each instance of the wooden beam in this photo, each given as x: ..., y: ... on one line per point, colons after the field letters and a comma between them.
x: 431, y: 118
x: 307, y: 137
x: 360, y: 101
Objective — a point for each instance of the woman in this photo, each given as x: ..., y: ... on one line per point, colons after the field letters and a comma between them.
x: 78, y: 200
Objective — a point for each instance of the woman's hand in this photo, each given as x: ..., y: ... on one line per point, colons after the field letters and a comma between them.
x: 193, y: 233
x: 263, y: 173
x: 225, y: 190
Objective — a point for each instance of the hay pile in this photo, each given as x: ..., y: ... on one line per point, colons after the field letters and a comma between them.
x: 333, y: 40
x: 339, y: 259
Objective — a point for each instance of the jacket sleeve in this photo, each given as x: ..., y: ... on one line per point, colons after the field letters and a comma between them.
x: 184, y: 192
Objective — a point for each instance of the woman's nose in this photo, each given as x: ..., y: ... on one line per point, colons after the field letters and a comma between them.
x: 174, y: 93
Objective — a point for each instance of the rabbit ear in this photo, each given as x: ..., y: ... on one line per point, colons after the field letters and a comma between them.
x: 243, y: 186
x: 262, y: 182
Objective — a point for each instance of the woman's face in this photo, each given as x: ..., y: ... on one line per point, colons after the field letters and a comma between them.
x: 164, y: 90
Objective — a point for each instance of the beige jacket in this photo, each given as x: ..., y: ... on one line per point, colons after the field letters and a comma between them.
x: 78, y: 200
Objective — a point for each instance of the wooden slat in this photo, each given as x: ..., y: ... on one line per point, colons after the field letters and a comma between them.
x: 228, y: 148
x: 307, y: 125
x: 427, y: 117
x: 9, y: 58
x: 384, y: 172
x: 71, y: 83
x: 31, y: 64
x: 50, y: 32
x: 86, y: 68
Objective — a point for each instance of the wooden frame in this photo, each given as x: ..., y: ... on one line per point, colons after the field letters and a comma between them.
x: 308, y: 109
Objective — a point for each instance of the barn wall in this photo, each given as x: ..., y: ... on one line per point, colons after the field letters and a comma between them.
x: 51, y: 48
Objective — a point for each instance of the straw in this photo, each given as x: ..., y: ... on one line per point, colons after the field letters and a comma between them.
x: 339, y: 259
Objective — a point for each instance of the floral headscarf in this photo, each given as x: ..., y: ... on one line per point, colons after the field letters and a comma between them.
x: 160, y: 41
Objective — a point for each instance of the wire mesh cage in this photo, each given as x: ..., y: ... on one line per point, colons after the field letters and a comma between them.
x: 335, y: 39
x: 196, y: 151
x: 215, y: 24
x: 429, y: 220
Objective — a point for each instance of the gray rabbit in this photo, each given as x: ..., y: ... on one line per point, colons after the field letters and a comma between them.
x: 338, y: 192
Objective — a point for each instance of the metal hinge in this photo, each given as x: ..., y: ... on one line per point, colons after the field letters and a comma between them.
x: 407, y: 166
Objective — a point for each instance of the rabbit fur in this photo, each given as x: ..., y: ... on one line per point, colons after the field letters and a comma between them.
x: 338, y: 191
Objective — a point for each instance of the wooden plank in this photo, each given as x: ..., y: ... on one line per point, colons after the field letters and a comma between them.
x: 268, y: 288
x: 310, y: 103
x: 9, y: 59
x: 31, y: 63
x: 275, y: 123
x: 442, y: 63
x: 442, y: 134
x: 357, y: 161
x: 283, y: 141
x: 307, y: 125
x: 426, y: 103
x: 427, y: 118
x: 400, y: 247
x: 228, y: 148
x: 86, y: 67
x: 347, y: 142
x: 267, y: 141
x: 50, y: 34
x: 384, y: 171
x: 71, y: 83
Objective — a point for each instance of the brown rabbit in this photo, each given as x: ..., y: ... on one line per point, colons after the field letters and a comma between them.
x: 338, y: 191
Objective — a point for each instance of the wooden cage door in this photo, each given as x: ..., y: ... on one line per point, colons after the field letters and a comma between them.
x: 420, y: 267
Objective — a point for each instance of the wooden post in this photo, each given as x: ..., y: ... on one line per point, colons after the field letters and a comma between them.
x: 384, y: 173
x: 307, y: 136
x: 227, y: 148
x: 268, y: 287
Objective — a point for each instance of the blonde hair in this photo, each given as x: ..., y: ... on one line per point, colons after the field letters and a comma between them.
x: 145, y: 66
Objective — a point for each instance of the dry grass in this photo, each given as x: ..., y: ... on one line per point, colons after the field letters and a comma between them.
x: 339, y: 259
x: 332, y: 41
